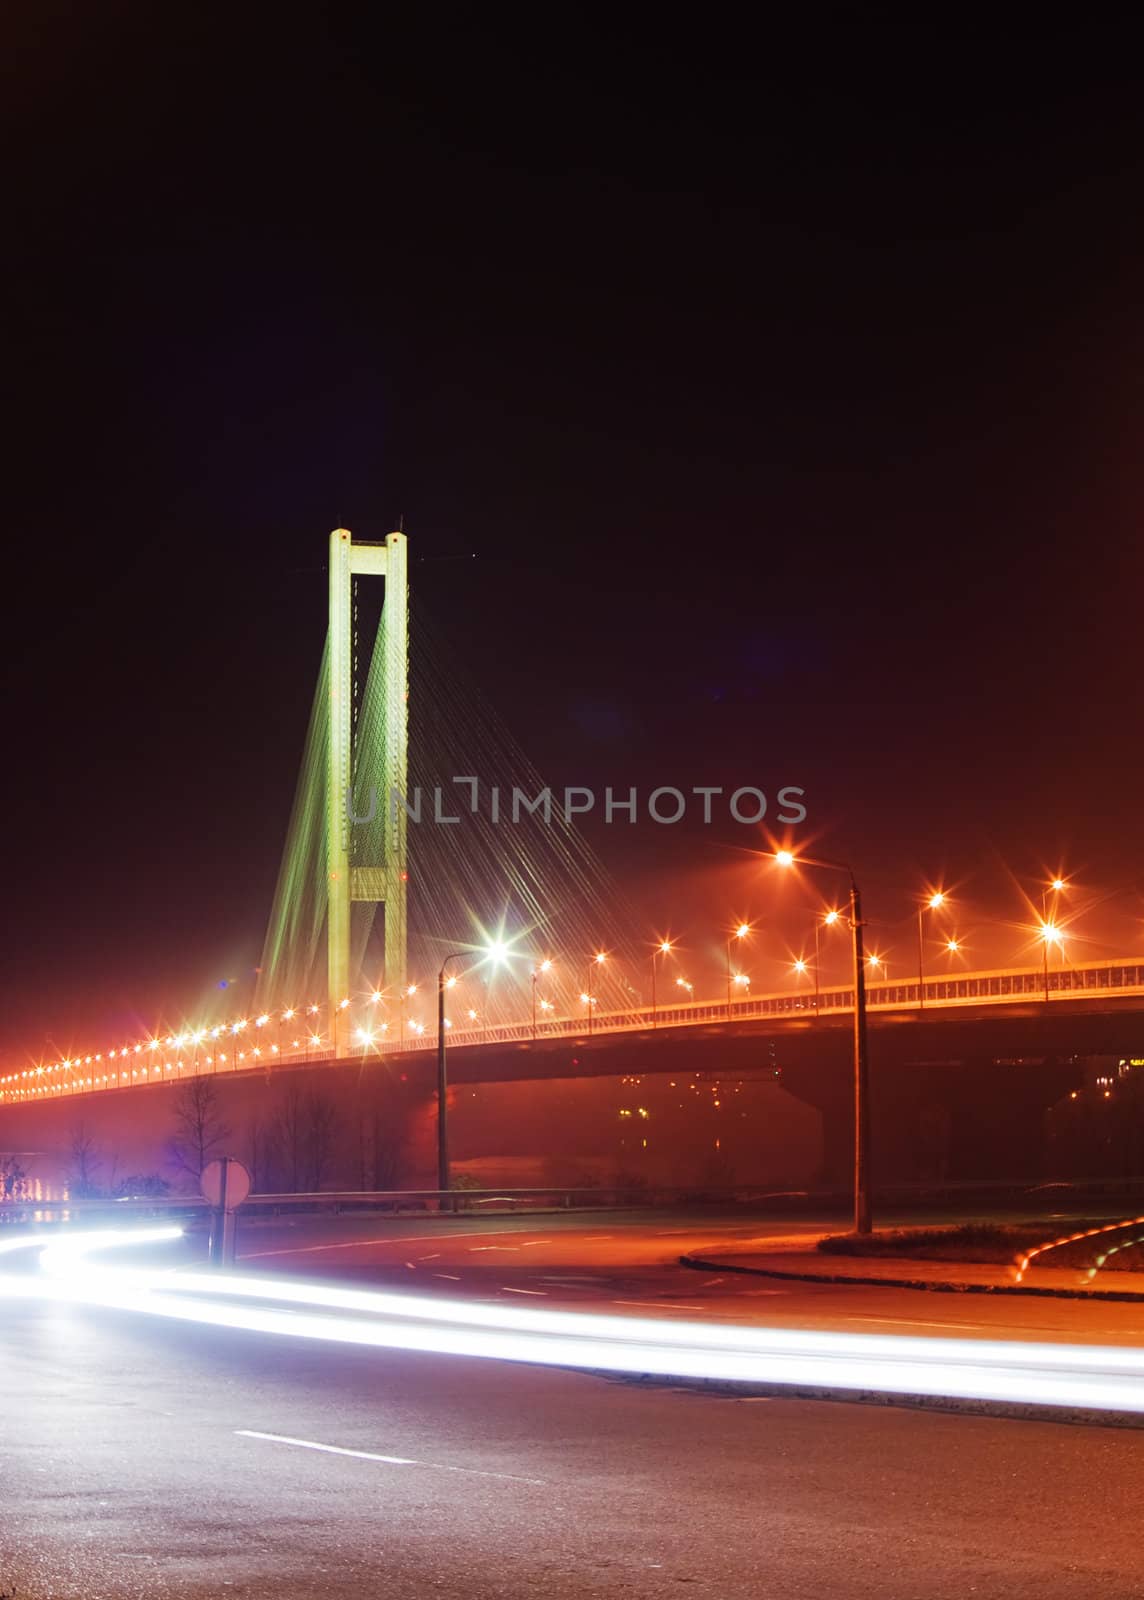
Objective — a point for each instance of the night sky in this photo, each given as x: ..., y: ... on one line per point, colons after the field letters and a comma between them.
x: 761, y: 408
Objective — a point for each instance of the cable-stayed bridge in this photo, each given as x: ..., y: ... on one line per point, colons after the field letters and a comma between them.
x: 372, y: 893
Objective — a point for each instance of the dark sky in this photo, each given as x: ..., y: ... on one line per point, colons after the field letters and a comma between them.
x: 786, y: 389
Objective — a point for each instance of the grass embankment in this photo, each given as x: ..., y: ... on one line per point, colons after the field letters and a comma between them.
x: 997, y: 1243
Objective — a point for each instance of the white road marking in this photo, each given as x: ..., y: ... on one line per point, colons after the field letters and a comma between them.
x: 479, y: 1249
x: 436, y: 1256
x: 506, y: 1290
x: 452, y: 1276
x: 710, y: 1283
x: 371, y: 1455
x: 327, y: 1449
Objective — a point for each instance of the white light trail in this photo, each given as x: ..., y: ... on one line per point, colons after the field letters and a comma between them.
x: 1090, y: 1377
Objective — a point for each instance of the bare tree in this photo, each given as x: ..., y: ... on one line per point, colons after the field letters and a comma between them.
x: 83, y: 1164
x: 261, y: 1152
x: 304, y: 1137
x: 390, y: 1144
x: 199, y: 1127
x: 287, y: 1139
x: 319, y: 1137
x: 13, y: 1184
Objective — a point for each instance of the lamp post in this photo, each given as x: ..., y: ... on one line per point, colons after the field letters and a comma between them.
x: 597, y: 961
x: 545, y: 966
x: 1050, y: 934
x: 862, y: 1220
x: 934, y: 903
x: 443, y: 1077
x: 664, y: 948
x: 740, y: 934
x: 495, y: 952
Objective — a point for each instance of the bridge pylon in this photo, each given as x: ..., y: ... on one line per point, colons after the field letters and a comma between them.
x: 381, y: 881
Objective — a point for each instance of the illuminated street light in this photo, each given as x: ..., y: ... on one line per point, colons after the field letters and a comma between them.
x: 862, y: 1221
x: 542, y: 969
x: 663, y: 948
x: 598, y: 960
x: 829, y: 919
x: 740, y: 933
x: 495, y: 952
x: 1049, y: 934
x: 934, y: 903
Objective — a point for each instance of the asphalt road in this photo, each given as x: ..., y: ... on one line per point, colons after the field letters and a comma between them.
x: 628, y: 1263
x: 137, y: 1463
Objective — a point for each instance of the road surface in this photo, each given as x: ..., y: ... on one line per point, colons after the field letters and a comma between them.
x: 146, y: 1458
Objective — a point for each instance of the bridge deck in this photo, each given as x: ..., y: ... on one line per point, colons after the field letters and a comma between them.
x: 189, y: 1054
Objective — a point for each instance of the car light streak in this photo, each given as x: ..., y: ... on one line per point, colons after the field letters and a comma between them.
x: 1016, y: 1372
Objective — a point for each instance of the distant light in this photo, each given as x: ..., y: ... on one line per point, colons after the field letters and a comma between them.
x: 742, y: 930
x: 343, y: 1005
x: 599, y: 958
x: 800, y: 966
x: 1050, y: 933
x: 287, y: 1016
x: 497, y: 951
x: 952, y: 946
x: 936, y: 900
x: 1058, y: 884
x: 412, y: 989
x: 665, y: 947
x: 831, y: 918
x: 260, y: 1022
x: 873, y: 961
x: 741, y: 978
x: 545, y: 966
x: 785, y: 858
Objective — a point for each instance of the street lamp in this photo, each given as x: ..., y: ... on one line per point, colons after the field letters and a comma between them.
x: 1049, y: 934
x: 664, y: 948
x: 495, y: 952
x: 740, y: 933
x: 934, y: 903
x: 862, y: 1223
x: 597, y: 961
x: 544, y: 967
x: 829, y: 919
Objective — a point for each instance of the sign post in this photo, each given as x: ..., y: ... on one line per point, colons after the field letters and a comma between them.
x: 225, y: 1184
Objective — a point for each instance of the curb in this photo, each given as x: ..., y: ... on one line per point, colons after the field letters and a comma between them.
x: 952, y: 1405
x: 933, y: 1285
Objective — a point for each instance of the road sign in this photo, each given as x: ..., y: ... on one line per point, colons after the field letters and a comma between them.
x: 236, y: 1187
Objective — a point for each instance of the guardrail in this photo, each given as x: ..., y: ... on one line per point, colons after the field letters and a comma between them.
x: 448, y: 1202
x: 185, y: 1056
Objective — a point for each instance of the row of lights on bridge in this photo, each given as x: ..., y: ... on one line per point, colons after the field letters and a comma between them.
x: 30, y: 1081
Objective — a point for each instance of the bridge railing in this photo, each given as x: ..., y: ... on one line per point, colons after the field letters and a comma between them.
x: 1007, y: 986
